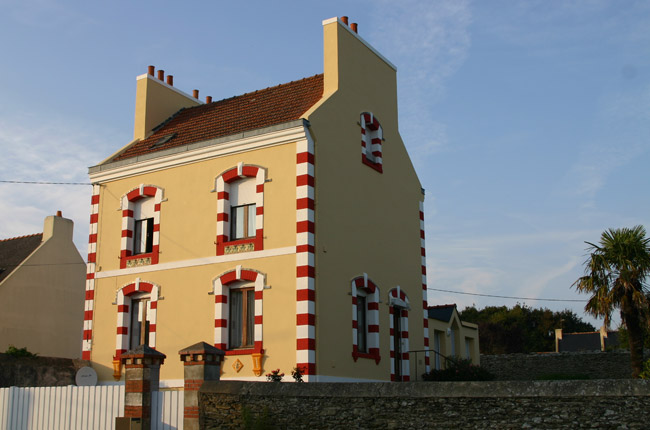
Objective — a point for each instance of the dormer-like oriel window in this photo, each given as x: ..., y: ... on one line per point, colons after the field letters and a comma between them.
x: 371, y: 141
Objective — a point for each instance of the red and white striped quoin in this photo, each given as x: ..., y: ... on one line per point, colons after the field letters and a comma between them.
x: 89, y: 304
x: 425, y: 305
x: 305, y: 268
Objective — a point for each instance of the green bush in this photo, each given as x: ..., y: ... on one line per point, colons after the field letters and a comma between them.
x: 459, y: 369
x: 645, y: 373
x: 19, y: 352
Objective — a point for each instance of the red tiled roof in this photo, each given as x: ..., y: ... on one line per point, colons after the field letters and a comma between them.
x: 262, y: 108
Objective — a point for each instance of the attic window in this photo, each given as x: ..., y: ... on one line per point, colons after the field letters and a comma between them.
x: 163, y: 140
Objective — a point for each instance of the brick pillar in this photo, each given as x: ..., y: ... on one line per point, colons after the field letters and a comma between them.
x: 201, y: 362
x: 142, y: 376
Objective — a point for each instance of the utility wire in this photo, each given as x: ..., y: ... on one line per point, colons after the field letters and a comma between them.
x: 507, y: 297
x: 45, y: 183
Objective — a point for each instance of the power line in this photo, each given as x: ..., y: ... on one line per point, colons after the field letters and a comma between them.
x: 45, y: 183
x: 507, y: 297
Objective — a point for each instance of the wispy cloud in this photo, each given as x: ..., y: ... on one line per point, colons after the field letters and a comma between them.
x: 428, y: 41
x: 51, y: 151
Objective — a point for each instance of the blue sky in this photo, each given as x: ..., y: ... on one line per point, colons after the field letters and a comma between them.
x: 528, y: 122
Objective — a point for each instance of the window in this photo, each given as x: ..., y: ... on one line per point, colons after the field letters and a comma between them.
x: 240, y: 209
x: 242, y: 225
x: 399, y: 334
x: 143, y: 236
x: 137, y: 310
x: 238, y: 311
x: 365, y: 319
x: 139, y: 325
x: 371, y: 141
x: 362, y: 323
x: 437, y: 348
x: 140, y: 226
x: 242, y: 318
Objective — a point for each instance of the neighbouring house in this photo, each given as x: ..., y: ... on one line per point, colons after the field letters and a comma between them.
x: 284, y: 226
x: 450, y: 336
x: 42, y: 291
x: 602, y: 340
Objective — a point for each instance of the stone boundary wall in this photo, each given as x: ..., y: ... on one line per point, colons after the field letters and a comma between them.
x: 529, y: 367
x: 38, y: 371
x: 422, y: 405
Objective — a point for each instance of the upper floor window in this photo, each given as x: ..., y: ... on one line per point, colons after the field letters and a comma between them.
x: 143, y: 226
x: 371, y: 141
x: 140, y: 226
x: 240, y: 209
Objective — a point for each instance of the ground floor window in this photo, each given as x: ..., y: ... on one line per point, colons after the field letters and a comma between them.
x: 242, y: 318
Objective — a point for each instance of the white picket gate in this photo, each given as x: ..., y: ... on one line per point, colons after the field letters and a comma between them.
x: 81, y: 408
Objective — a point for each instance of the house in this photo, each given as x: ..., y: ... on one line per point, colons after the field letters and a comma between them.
x: 451, y: 336
x: 602, y: 340
x: 284, y: 226
x: 42, y: 291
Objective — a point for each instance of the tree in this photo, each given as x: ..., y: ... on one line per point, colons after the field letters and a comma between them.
x: 504, y: 330
x: 615, y: 276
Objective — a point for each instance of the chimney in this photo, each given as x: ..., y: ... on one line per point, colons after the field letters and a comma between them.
x: 57, y: 227
x: 354, y: 26
x: 344, y: 20
x: 155, y: 101
x: 59, y: 214
x: 208, y: 99
x: 195, y: 94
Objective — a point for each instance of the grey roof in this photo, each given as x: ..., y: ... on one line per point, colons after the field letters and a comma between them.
x: 441, y: 313
x: 14, y: 251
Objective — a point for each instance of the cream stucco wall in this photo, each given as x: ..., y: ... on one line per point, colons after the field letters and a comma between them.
x: 188, y: 219
x: 41, y: 301
x: 366, y: 221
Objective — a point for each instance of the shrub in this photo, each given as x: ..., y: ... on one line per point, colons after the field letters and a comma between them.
x: 645, y: 373
x: 459, y: 369
x: 297, y: 374
x: 275, y: 376
x: 19, y: 352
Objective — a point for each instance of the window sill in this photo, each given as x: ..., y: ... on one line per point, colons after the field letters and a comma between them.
x: 128, y: 261
x: 249, y: 244
x: 244, y: 351
x: 378, y: 167
x: 374, y: 355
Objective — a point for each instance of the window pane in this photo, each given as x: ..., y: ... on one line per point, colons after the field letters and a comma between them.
x: 362, y: 326
x: 149, y: 236
x: 250, y: 317
x: 135, y: 326
x: 251, y: 220
x: 137, y: 237
x: 235, y: 326
x: 237, y: 222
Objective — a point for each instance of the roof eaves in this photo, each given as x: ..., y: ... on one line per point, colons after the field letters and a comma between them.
x: 197, y: 145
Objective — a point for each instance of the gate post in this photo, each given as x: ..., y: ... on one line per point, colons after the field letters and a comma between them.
x: 201, y: 362
x: 142, y: 376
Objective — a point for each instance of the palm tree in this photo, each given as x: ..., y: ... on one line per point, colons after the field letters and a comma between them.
x: 615, y: 276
